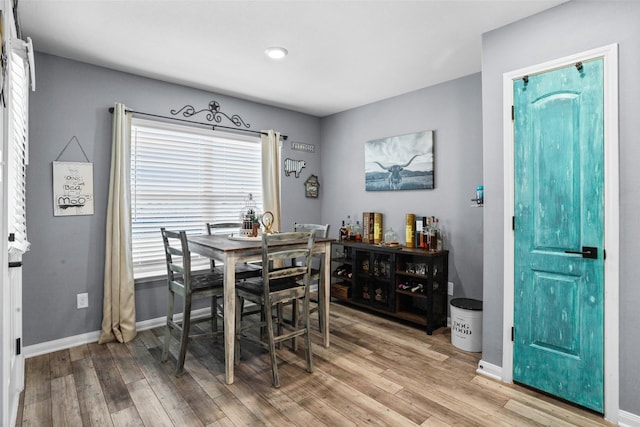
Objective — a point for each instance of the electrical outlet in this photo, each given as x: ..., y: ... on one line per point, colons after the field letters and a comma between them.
x: 450, y: 289
x: 83, y: 300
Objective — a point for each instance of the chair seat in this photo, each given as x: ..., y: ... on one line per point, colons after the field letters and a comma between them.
x: 213, y: 279
x: 247, y: 271
x: 256, y: 287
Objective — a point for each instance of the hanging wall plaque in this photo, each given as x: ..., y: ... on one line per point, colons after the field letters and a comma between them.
x: 311, y: 186
x: 72, y: 188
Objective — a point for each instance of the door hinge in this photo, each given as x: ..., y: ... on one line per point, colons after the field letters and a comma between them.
x: 513, y: 113
x: 513, y: 333
x: 18, y: 347
x: 604, y: 254
x: 513, y: 223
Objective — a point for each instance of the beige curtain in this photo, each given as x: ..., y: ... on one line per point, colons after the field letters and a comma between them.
x: 119, y: 312
x: 271, y: 175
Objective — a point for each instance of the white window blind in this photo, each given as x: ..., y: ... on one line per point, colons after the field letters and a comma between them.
x: 183, y: 177
x: 18, y: 153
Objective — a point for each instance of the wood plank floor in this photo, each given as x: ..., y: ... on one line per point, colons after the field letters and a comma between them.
x: 376, y: 372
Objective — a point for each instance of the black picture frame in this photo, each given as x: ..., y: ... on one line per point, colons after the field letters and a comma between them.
x: 403, y: 162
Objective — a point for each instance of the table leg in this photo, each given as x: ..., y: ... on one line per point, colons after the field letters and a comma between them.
x: 229, y: 315
x: 325, y: 294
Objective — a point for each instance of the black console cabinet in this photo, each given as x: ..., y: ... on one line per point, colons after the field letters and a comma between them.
x: 407, y: 283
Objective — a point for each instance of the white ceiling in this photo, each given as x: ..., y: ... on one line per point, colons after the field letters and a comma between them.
x: 342, y: 54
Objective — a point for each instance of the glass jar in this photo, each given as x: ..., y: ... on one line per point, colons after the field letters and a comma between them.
x: 390, y: 237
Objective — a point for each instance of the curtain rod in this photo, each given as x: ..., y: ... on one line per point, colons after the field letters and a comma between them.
x: 284, y: 137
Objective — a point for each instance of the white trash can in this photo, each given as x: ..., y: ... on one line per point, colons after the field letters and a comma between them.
x: 466, y: 324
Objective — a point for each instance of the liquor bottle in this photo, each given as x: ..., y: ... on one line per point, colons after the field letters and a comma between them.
x: 440, y: 238
x: 433, y: 235
x: 343, y: 231
x: 410, y: 223
x: 377, y: 228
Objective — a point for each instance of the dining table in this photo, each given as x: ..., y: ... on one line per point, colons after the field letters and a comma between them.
x: 234, y: 250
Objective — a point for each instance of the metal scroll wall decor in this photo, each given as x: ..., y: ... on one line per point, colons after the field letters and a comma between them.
x: 213, y: 114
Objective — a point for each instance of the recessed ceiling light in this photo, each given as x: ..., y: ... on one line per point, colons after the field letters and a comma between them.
x: 276, y: 52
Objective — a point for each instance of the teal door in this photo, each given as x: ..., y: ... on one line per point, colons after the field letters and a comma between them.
x: 559, y: 233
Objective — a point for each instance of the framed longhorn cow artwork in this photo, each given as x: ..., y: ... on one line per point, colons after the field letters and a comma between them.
x: 403, y: 162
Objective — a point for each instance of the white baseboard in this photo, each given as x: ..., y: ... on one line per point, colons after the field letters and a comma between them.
x: 489, y: 370
x: 61, y: 344
x: 627, y: 419
x: 91, y: 337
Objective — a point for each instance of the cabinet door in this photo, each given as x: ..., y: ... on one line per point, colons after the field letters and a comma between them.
x: 341, y: 271
x: 374, y: 279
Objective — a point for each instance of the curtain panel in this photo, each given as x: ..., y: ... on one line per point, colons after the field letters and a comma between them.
x: 271, y: 175
x: 119, y: 316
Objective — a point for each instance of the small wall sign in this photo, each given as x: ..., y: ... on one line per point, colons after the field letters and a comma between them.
x: 72, y: 188
x: 311, y: 186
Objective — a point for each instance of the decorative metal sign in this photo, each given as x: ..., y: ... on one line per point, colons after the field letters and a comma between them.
x: 311, y: 186
x: 213, y: 114
x: 299, y: 146
x: 293, y: 166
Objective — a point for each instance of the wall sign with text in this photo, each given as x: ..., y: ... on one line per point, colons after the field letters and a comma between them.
x: 72, y: 188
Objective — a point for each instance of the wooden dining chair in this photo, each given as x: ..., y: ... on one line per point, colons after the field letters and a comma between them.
x: 279, y: 285
x: 181, y: 281
x: 316, y: 298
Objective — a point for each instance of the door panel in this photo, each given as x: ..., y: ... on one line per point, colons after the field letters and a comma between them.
x: 559, y: 205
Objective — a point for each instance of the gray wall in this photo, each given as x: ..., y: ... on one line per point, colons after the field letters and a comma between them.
x: 453, y: 111
x: 66, y: 256
x: 567, y: 29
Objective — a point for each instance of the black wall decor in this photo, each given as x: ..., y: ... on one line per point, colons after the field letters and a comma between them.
x: 213, y: 114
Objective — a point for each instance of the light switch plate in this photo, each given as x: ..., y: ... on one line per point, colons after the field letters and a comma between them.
x: 450, y: 289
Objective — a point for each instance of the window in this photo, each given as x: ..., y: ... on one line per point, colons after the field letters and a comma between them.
x: 18, y: 153
x: 183, y: 177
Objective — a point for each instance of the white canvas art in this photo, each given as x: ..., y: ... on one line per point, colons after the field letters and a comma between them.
x: 402, y: 162
x: 72, y: 188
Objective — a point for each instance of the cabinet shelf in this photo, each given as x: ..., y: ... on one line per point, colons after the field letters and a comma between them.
x: 414, y: 275
x: 413, y: 316
x: 377, y: 272
x: 411, y: 294
x: 342, y: 260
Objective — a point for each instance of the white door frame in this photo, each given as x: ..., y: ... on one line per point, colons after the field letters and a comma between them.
x: 611, y: 217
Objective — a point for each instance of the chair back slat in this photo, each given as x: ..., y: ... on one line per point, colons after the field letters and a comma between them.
x: 212, y: 227
x: 320, y: 230
x: 178, y: 258
x: 299, y: 246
